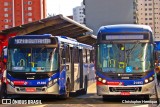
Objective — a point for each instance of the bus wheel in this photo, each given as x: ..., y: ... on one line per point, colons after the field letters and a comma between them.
x: 85, y: 84
x: 68, y: 84
x: 3, y: 91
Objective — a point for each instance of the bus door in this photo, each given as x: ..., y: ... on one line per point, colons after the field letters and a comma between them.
x: 85, y: 64
x: 62, y: 76
x: 76, y: 68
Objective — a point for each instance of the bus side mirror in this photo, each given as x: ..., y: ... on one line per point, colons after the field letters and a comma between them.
x: 4, y: 55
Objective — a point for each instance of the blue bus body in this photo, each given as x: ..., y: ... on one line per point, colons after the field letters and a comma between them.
x: 44, y: 64
x: 124, y: 60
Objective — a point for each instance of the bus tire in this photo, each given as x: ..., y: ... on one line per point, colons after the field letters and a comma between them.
x: 3, y: 91
x: 85, y: 84
x: 68, y: 87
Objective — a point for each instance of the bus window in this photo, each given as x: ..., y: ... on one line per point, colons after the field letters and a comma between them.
x: 68, y: 54
x: 76, y: 55
x: 84, y: 56
x: 88, y: 56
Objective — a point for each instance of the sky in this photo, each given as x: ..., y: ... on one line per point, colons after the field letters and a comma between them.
x: 62, y: 6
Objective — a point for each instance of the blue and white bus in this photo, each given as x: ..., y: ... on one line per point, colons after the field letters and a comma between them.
x: 46, y: 64
x: 125, y: 60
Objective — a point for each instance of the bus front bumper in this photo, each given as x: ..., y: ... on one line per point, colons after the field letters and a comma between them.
x: 33, y: 90
x: 147, y: 89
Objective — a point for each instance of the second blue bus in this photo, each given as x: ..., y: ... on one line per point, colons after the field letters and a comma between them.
x: 125, y: 60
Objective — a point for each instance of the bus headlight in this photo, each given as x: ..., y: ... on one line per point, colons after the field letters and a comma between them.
x: 99, y: 79
x: 103, y: 81
x: 146, y: 80
x: 52, y: 82
x: 151, y: 78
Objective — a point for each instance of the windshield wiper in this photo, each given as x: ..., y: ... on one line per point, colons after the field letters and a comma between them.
x: 131, y: 49
x: 40, y: 52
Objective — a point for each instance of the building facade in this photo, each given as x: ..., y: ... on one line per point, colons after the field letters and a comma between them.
x: 18, y: 12
x: 106, y: 12
x: 78, y: 14
x: 149, y: 14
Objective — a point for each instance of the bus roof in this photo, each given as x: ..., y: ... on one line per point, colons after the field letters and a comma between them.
x: 32, y: 36
x: 124, y: 28
x: 74, y: 42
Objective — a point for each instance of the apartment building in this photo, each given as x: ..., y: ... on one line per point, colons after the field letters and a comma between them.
x: 106, y: 12
x: 18, y: 12
x: 78, y: 14
x: 149, y: 14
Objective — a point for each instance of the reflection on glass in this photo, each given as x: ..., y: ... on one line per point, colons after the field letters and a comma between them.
x: 32, y: 59
x: 125, y: 57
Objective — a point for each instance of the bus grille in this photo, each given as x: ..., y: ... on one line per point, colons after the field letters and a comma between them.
x: 125, y: 89
x: 132, y: 77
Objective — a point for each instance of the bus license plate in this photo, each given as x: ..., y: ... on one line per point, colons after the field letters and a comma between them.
x: 125, y: 93
x: 30, y: 89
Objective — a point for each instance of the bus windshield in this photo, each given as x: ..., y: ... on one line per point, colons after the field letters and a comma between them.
x: 32, y: 59
x: 124, y: 57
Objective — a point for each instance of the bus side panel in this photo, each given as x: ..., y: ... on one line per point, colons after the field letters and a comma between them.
x: 62, y: 81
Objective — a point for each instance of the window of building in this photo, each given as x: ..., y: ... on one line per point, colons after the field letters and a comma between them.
x: 146, y: 18
x: 29, y: 19
x: 5, y: 9
x: 6, y: 26
x: 145, y: 13
x: 6, y: 3
x: 150, y: 4
x: 150, y: 8
x: 29, y: 14
x: 29, y: 2
x: 6, y: 20
x: 150, y: 13
x: 29, y: 8
x: 145, y: 9
x: 150, y: 18
x: 5, y: 15
x: 145, y: 4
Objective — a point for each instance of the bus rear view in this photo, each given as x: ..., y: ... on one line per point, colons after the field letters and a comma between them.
x: 124, y: 60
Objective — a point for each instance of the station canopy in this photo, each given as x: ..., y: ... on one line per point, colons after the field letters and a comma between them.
x: 57, y: 26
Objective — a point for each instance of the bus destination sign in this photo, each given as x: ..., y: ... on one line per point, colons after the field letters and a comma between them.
x: 124, y: 37
x: 32, y: 41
